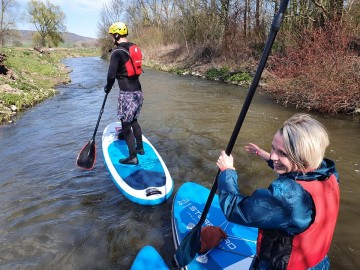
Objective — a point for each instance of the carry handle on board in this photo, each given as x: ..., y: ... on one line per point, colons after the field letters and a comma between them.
x: 87, y: 156
x: 188, y: 248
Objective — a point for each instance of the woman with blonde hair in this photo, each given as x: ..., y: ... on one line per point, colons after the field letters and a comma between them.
x: 296, y: 215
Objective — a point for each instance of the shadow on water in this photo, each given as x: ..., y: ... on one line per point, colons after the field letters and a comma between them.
x: 56, y: 216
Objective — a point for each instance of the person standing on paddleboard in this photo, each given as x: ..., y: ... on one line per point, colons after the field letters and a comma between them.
x: 125, y: 66
x: 296, y: 215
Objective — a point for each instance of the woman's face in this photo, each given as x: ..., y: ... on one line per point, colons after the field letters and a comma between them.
x: 282, y: 163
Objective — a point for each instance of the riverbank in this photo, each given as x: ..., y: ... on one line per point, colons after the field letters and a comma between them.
x: 292, y: 79
x: 172, y: 58
x: 29, y: 76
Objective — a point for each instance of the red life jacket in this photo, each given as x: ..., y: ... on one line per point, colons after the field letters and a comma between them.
x: 310, y: 247
x: 134, y: 65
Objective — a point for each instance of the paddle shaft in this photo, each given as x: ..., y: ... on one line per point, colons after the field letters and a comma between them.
x: 101, y: 112
x: 275, y: 26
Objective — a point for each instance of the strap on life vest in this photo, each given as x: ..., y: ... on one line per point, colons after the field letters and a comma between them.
x: 131, y: 59
x: 132, y: 62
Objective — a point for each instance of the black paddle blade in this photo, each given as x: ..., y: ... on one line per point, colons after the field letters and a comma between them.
x: 87, y: 156
x: 188, y: 248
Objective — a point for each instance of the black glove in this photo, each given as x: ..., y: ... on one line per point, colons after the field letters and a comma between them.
x: 107, y: 89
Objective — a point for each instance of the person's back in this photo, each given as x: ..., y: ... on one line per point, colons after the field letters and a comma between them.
x: 130, y: 98
x: 124, y: 67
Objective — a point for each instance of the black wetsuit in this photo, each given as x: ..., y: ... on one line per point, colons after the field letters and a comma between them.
x: 117, y: 70
x: 130, y: 97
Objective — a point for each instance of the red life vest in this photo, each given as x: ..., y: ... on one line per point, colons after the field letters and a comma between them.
x: 311, y: 246
x: 134, y: 65
x: 308, y: 248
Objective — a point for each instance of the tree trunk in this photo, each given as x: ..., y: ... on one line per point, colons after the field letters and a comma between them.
x: 257, y: 16
x: 336, y: 9
x: 246, y: 3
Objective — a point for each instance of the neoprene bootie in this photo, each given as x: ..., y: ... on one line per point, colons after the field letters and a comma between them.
x: 140, y: 151
x: 121, y: 136
x: 129, y: 161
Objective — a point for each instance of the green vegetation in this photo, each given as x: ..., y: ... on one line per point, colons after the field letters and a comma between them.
x: 215, y: 73
x: 240, y: 78
x: 226, y: 75
x: 29, y: 77
x: 49, y: 19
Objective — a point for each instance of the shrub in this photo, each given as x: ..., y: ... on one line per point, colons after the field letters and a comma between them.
x: 318, y: 73
x: 242, y: 78
x: 214, y: 73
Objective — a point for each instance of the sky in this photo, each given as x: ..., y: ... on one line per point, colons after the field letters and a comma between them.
x: 82, y: 16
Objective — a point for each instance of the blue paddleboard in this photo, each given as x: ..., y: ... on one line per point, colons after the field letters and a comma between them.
x: 148, y: 259
x: 235, y: 252
x: 149, y: 182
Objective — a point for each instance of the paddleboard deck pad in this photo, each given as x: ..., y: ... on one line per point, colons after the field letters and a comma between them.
x: 149, y: 182
x: 148, y: 259
x: 235, y: 252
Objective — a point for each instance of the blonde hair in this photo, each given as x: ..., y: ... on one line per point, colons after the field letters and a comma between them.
x: 305, y: 140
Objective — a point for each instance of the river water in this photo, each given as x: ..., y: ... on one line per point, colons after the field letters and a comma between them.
x: 57, y: 216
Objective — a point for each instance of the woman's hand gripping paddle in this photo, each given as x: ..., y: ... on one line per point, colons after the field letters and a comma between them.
x: 87, y: 156
x: 191, y: 244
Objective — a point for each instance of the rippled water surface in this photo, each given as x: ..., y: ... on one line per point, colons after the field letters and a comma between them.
x: 57, y: 216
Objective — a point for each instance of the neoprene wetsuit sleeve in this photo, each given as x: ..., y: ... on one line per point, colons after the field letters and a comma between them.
x: 113, y: 66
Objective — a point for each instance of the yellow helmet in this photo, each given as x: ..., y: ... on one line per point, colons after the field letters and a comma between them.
x: 118, y: 28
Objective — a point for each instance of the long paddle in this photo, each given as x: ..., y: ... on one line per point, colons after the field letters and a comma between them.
x: 188, y: 248
x: 87, y: 156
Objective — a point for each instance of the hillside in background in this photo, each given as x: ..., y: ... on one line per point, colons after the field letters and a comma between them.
x: 71, y: 39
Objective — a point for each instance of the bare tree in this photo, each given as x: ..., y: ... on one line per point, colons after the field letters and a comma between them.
x: 8, y: 18
x: 110, y: 13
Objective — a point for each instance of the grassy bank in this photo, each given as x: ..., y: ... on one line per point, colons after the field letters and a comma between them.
x: 29, y: 77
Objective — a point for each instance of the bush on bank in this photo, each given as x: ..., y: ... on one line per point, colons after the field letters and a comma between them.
x: 318, y: 72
